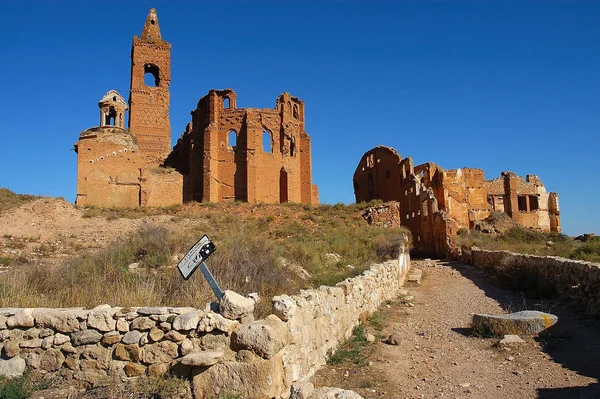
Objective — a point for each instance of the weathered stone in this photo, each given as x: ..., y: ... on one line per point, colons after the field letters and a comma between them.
x: 23, y: 318
x: 233, y: 306
x: 165, y: 326
x: 144, y: 340
x: 160, y: 352
x: 46, y: 332
x: 128, y: 352
x: 101, y: 320
x: 247, y: 356
x: 527, y: 322
x: 214, y: 321
x: 187, y: 321
x: 11, y: 349
x: 415, y: 276
x: 156, y: 334
x: 47, y: 342
x: 3, y: 321
x: 32, y: 333
x: 153, y: 310
x: 213, y: 341
x: 64, y: 321
x: 142, y: 323
x: 72, y: 363
x: 202, y: 359
x: 95, y: 358
x: 12, y: 368
x: 31, y: 343
x: 261, y: 380
x: 134, y: 369
x: 132, y: 337
x: 85, y: 337
x: 511, y: 339
x: 60, y: 339
x: 32, y: 360
x: 68, y: 348
x: 122, y: 325
x: 51, y: 360
x: 334, y: 393
x: 264, y: 337
x: 302, y: 389
x: 393, y: 339
x: 158, y: 369
x: 283, y: 307
x: 187, y: 346
x: 111, y: 338
x: 174, y: 336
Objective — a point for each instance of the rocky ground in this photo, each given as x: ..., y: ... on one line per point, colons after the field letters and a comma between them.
x: 439, y: 358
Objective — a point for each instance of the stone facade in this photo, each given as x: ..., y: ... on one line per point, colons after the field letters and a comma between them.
x: 434, y: 203
x: 225, y: 154
x: 259, y: 359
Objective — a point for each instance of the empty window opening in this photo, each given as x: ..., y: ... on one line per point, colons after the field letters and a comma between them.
x: 283, y: 186
x: 232, y: 139
x: 388, y: 174
x: 296, y: 111
x: 226, y: 102
x: 289, y: 105
x: 110, y: 117
x: 533, y: 203
x: 115, y: 98
x: 151, y: 75
x: 267, y: 142
x: 522, y: 202
x: 292, y: 146
x: 152, y: 21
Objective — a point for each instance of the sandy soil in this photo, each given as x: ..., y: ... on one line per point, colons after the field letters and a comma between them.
x: 438, y: 358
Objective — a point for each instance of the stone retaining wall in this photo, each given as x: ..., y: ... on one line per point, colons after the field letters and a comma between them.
x: 578, y: 282
x: 220, y: 349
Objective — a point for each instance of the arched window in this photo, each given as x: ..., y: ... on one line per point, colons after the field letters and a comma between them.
x: 289, y: 104
x: 267, y: 139
x: 296, y: 111
x: 232, y: 139
x: 151, y: 75
x: 226, y: 102
x: 110, y: 117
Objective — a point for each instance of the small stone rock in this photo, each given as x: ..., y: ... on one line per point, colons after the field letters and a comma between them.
x: 134, y: 370
x: 128, y: 352
x: 31, y: 344
x: 85, y: 337
x: 60, y: 339
x: 511, y: 339
x: 187, y: 321
x: 202, y: 359
x: 111, y: 338
x: 233, y: 306
x: 12, y: 368
x: 52, y: 360
x: 132, y: 337
x: 174, y: 336
x: 284, y: 307
x: 122, y: 325
x: 527, y: 322
x: 23, y: 318
x: 393, y: 339
x: 142, y: 323
x: 264, y: 337
x: 370, y: 338
x: 156, y: 334
x: 153, y: 310
x: 11, y: 349
x: 158, y: 369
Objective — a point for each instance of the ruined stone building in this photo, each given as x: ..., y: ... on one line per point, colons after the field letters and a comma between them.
x: 225, y: 154
x: 434, y: 203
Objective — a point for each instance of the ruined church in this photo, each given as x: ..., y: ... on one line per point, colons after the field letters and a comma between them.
x: 226, y: 153
x: 434, y: 203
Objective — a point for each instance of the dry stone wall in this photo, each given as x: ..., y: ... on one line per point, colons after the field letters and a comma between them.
x: 575, y: 281
x: 220, y: 351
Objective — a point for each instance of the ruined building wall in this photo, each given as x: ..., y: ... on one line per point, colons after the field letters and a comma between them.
x: 149, y: 104
x: 435, y: 203
x: 245, y: 154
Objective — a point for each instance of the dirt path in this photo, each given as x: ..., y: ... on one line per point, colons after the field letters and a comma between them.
x: 439, y: 358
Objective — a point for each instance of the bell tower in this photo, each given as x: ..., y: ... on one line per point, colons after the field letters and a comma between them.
x: 149, y: 96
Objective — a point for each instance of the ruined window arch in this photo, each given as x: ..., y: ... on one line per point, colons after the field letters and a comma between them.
x: 151, y: 75
x: 292, y: 146
x: 232, y: 139
x: 289, y: 105
x: 267, y: 141
x: 296, y: 111
x: 110, y: 117
x: 226, y: 103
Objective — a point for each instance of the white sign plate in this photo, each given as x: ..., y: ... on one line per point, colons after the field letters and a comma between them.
x: 192, y: 259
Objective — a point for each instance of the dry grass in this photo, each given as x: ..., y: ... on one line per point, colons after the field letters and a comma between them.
x: 251, y: 241
x: 522, y: 240
x: 10, y: 200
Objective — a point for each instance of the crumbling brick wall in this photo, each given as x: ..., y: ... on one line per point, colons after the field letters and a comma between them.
x: 435, y: 203
x: 245, y: 154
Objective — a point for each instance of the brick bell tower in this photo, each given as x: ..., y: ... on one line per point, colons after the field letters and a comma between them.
x: 149, y: 90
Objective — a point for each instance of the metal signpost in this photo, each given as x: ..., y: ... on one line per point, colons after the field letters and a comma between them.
x: 195, y: 258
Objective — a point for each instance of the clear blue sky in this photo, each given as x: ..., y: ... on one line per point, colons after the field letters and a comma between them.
x: 497, y: 85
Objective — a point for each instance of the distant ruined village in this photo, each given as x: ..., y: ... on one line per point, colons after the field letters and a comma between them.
x: 264, y: 156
